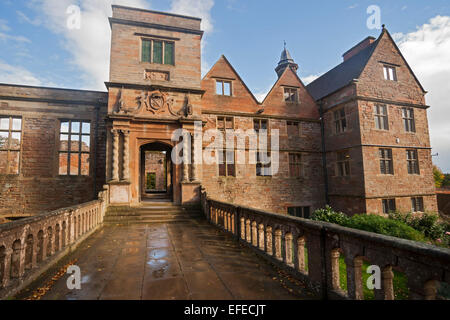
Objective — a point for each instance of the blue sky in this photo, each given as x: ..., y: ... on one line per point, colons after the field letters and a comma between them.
x: 36, y: 49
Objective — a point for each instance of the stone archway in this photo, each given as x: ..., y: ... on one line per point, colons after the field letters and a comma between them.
x: 156, y: 169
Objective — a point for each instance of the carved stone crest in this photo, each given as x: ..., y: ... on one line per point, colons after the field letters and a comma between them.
x: 155, y: 102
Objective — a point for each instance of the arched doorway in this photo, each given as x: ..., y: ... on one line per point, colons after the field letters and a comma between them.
x: 156, y: 172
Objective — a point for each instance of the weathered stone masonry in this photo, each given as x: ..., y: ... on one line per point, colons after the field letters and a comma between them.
x: 152, y: 93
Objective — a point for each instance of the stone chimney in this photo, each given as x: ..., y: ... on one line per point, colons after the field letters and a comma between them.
x: 360, y: 46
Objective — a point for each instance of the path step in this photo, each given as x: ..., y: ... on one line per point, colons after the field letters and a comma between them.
x: 151, y: 212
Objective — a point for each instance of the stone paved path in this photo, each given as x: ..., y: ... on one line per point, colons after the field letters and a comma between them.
x: 188, y: 260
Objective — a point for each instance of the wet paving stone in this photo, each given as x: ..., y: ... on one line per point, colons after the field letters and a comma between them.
x: 189, y: 260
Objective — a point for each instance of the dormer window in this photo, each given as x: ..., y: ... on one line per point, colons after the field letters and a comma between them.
x: 223, y: 88
x: 290, y: 95
x: 158, y: 51
x: 390, y: 73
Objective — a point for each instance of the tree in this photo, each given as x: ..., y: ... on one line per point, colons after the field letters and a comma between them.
x: 446, y: 182
x: 438, y: 176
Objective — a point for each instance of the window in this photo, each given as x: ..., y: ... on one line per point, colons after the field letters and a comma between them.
x: 340, y: 121
x: 301, y: 212
x: 263, y: 169
x: 295, y: 165
x: 226, y: 157
x: 386, y: 163
x: 390, y: 73
x: 290, y: 95
x: 10, y: 141
x: 226, y: 163
x: 412, y: 161
x: 388, y: 205
x: 259, y: 124
x: 343, y: 163
x: 381, y: 117
x: 417, y: 204
x: 74, y: 148
x: 408, y: 119
x: 223, y: 88
x: 157, y: 51
x: 293, y: 129
x: 224, y: 123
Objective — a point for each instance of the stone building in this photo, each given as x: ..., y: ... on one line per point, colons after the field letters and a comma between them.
x: 356, y: 138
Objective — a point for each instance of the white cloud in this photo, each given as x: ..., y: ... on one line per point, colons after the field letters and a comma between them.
x: 196, y: 8
x: 308, y: 79
x: 4, y: 25
x: 24, y: 18
x: 427, y: 50
x: 90, y: 45
x: 17, y: 75
x: 6, y: 37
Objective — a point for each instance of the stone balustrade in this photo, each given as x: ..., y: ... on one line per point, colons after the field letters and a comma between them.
x: 310, y: 251
x: 28, y: 247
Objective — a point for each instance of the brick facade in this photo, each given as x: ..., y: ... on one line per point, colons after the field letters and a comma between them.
x: 147, y: 101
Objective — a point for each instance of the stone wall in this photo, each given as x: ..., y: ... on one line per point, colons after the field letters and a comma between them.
x: 39, y: 187
x: 310, y: 251
x: 155, y: 163
x: 365, y: 187
x: 30, y: 246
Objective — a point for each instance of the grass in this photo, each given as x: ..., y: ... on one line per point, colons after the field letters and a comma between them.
x: 401, y: 291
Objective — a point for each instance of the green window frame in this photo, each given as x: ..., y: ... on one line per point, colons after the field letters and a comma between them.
x: 158, y: 52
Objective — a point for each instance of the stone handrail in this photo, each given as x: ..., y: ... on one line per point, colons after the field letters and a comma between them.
x: 28, y: 247
x: 284, y: 240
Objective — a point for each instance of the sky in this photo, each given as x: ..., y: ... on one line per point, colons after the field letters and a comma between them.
x: 37, y: 47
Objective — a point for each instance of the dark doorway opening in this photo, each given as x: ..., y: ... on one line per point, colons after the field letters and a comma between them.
x: 156, y: 171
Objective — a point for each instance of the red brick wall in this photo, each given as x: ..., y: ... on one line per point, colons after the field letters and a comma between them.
x: 38, y: 186
x: 364, y: 140
x: 126, y: 65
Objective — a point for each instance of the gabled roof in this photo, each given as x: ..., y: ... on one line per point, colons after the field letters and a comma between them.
x: 341, y: 75
x: 277, y: 83
x: 351, y: 69
x: 222, y: 57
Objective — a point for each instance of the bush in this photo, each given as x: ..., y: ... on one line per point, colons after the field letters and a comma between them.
x: 381, y: 225
x: 329, y: 215
x: 426, y: 223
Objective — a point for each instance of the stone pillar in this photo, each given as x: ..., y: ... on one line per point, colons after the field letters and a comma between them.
x: 301, y: 254
x: 278, y: 253
x: 354, y: 278
x: 335, y: 274
x: 126, y: 155
x: 194, y: 163
x: 254, y: 234
x: 242, y: 228
x: 261, y: 236
x: 186, y: 158
x: 269, y: 241
x: 115, y: 159
x: 288, y: 249
x: 430, y: 290
x: 388, y: 284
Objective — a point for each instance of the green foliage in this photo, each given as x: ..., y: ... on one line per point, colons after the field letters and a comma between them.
x: 438, y: 177
x: 426, y: 223
x: 446, y: 182
x: 381, y: 225
x: 400, y: 282
x: 328, y: 215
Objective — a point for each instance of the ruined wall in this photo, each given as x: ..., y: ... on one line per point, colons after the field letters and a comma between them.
x: 38, y: 186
